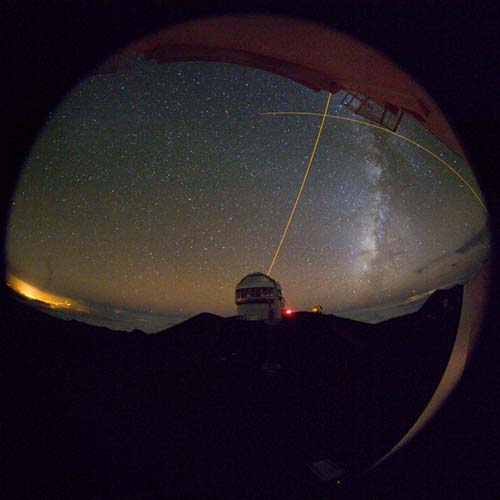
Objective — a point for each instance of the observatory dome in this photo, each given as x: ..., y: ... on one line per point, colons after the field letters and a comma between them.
x: 258, y: 297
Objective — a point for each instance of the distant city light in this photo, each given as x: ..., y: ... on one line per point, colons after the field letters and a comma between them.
x: 32, y: 292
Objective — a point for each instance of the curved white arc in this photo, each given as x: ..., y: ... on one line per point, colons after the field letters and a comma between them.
x: 473, y: 305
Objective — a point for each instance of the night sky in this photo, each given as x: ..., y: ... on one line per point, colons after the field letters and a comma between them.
x: 158, y: 188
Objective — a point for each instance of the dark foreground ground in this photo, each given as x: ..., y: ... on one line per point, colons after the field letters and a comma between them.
x: 218, y: 408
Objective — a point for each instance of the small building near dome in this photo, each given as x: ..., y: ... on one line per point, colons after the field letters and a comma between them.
x: 258, y: 297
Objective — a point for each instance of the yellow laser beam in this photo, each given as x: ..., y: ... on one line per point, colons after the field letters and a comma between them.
x: 383, y: 129
x: 311, y: 158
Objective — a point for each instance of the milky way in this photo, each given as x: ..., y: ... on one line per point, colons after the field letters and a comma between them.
x: 159, y: 187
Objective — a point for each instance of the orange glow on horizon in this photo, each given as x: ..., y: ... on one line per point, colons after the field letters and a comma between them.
x: 32, y: 292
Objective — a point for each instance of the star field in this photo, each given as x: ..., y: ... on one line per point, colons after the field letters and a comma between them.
x: 159, y: 187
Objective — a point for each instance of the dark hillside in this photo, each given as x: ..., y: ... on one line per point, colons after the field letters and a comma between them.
x: 213, y: 407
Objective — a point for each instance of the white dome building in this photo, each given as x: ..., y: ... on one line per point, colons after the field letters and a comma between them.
x: 258, y: 298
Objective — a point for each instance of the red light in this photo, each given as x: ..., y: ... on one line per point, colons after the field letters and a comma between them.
x: 288, y: 312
